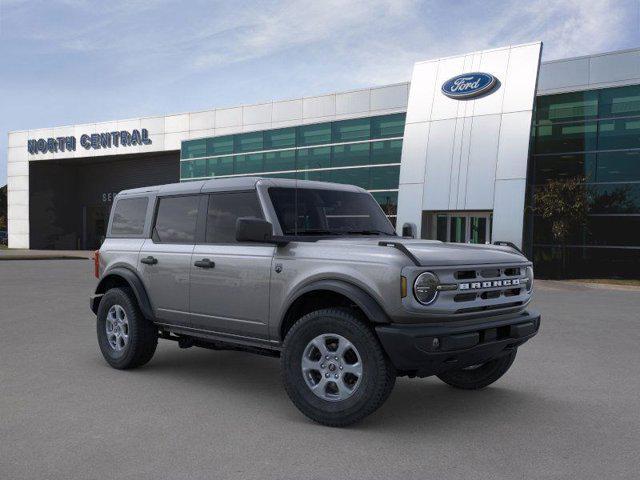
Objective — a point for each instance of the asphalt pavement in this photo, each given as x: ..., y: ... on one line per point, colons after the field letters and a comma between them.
x: 569, y: 408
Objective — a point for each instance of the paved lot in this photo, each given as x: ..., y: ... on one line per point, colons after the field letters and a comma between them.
x: 569, y: 408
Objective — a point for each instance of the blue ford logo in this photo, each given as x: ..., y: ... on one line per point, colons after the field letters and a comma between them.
x: 468, y: 85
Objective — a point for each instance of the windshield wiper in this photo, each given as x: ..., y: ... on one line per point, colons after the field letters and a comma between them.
x: 314, y: 231
x: 368, y: 232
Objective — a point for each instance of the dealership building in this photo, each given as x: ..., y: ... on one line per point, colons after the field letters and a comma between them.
x: 459, y: 153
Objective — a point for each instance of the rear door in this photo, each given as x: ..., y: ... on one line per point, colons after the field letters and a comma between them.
x: 165, y: 259
x: 229, y: 280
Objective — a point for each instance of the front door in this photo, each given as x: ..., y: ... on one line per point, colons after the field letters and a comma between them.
x: 463, y: 227
x: 165, y: 259
x: 229, y: 280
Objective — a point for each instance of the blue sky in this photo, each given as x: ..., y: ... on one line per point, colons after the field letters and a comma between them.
x: 72, y: 61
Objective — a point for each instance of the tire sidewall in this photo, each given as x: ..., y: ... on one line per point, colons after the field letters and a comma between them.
x: 308, y: 328
x: 117, y: 296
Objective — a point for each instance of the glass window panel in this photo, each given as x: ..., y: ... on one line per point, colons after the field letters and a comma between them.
x: 457, y: 229
x: 280, y: 138
x: 220, y: 166
x: 388, y: 201
x: 441, y: 228
x: 248, y: 142
x: 317, y: 176
x: 316, y: 134
x: 566, y: 107
x: 291, y: 175
x: 620, y: 102
x: 194, y: 148
x: 388, y: 126
x: 223, y: 211
x: 351, y: 176
x: 618, y: 167
x: 318, y: 157
x: 616, y: 134
x: 620, y: 198
x: 388, y: 151
x: 176, y: 219
x: 129, y: 215
x: 275, y: 161
x: 186, y: 169
x: 383, y: 178
x: 574, y: 137
x: 586, y: 262
x: 553, y: 167
x: 220, y: 145
x: 250, y: 163
x: 348, y: 155
x: 352, y: 130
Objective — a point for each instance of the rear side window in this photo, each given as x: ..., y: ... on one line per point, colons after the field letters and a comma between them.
x: 224, y: 209
x: 176, y: 219
x: 129, y: 215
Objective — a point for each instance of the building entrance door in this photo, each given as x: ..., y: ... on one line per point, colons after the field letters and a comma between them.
x: 463, y: 227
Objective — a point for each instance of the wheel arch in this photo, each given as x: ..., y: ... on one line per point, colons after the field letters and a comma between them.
x: 330, y: 293
x: 123, y: 277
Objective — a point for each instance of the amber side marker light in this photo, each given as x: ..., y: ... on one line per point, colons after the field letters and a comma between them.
x: 96, y: 263
x: 403, y: 286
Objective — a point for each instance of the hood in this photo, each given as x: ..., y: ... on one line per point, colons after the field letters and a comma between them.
x: 435, y: 253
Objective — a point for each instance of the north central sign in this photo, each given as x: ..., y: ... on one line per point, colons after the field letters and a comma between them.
x: 93, y: 141
x: 469, y: 85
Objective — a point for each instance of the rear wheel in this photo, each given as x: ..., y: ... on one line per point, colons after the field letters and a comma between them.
x: 479, y: 376
x: 126, y: 338
x: 334, y: 369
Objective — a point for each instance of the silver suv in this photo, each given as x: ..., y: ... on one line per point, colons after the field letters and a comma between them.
x: 313, y: 273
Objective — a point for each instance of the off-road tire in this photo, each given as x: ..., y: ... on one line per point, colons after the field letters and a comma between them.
x: 481, y: 376
x: 378, y: 376
x: 143, y: 335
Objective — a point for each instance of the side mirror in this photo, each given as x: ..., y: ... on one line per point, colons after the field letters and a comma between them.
x: 408, y: 230
x: 251, y: 229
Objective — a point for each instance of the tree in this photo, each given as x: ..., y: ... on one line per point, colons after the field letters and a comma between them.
x: 3, y: 208
x: 565, y: 204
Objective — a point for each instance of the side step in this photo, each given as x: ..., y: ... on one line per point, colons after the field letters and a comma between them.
x: 185, y: 341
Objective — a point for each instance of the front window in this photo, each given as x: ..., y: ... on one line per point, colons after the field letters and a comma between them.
x: 307, y: 211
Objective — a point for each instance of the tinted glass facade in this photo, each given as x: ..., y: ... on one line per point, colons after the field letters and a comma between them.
x: 592, y: 136
x: 363, y: 151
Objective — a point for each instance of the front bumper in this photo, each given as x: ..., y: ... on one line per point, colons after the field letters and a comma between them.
x: 425, y: 349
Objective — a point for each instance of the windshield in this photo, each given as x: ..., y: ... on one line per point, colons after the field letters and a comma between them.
x: 307, y: 211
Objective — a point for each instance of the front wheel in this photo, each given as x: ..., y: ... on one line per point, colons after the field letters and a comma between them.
x: 479, y: 376
x: 334, y: 368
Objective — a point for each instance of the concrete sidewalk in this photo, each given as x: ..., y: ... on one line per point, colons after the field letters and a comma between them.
x: 22, y: 254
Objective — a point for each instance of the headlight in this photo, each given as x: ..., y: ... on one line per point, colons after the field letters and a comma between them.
x: 425, y: 288
x: 529, y: 275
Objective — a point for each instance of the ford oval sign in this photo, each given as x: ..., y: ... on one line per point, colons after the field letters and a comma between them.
x: 469, y: 85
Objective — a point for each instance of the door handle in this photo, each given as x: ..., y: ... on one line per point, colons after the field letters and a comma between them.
x: 149, y: 260
x: 204, y: 263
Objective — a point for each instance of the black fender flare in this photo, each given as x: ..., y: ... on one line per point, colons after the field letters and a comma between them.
x: 134, y: 282
x: 369, y: 306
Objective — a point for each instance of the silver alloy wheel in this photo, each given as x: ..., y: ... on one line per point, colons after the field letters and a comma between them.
x: 117, y: 327
x: 332, y: 367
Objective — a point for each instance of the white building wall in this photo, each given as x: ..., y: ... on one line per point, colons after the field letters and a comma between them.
x: 470, y: 154
x: 167, y: 133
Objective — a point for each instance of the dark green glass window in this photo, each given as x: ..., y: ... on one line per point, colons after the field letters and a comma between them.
x: 388, y: 151
x: 318, y: 157
x: 388, y: 201
x: 618, y: 166
x: 220, y: 145
x: 186, y: 169
x: 280, y: 138
x: 220, y: 166
x: 620, y: 102
x: 618, y: 198
x: 348, y: 155
x: 318, y: 176
x: 567, y: 106
x: 250, y: 163
x: 383, y: 178
x: 388, y: 126
x: 619, y: 134
x: 574, y: 137
x: 193, y: 168
x: 314, y: 134
x: 352, y: 130
x: 553, y: 167
x: 291, y: 175
x: 351, y: 176
x: 194, y: 148
x: 248, y: 142
x: 284, y: 160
